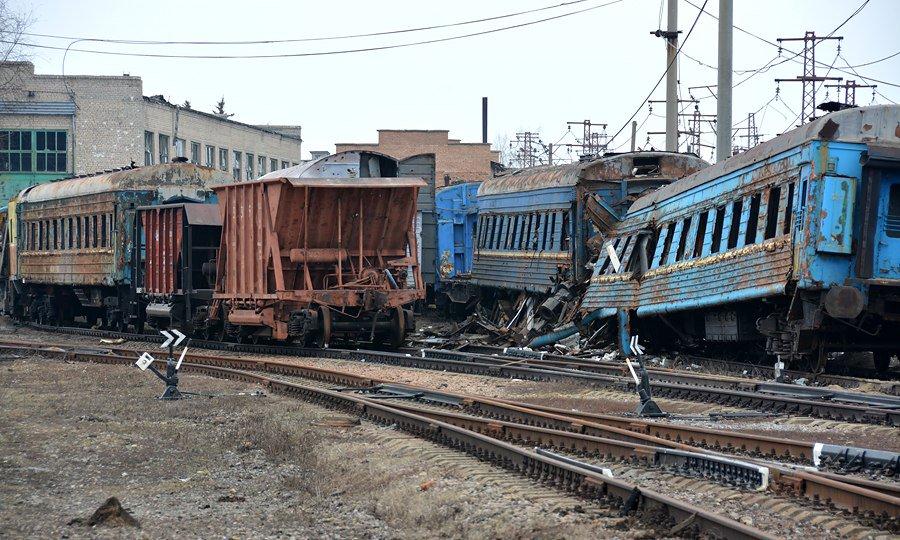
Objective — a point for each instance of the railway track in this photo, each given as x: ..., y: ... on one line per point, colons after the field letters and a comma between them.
x: 586, y: 434
x: 726, y: 391
x: 676, y: 515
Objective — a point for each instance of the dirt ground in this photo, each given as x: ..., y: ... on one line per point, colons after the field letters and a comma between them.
x: 239, y: 465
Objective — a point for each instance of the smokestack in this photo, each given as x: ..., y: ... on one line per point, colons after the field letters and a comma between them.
x: 484, y: 120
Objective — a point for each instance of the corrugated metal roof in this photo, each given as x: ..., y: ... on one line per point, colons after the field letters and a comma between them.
x: 174, y: 178
x: 47, y: 108
x: 878, y: 124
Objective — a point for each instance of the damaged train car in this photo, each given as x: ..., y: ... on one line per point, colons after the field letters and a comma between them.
x: 534, y: 230
x: 71, y: 249
x: 319, y: 250
x: 790, y: 249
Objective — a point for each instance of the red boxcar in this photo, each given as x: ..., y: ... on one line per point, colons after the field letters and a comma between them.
x: 307, y: 258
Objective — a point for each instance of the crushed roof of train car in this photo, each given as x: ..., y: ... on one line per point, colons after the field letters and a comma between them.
x: 611, y: 167
x: 874, y: 124
x: 350, y: 164
x: 151, y: 177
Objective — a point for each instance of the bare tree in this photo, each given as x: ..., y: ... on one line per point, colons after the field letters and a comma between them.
x: 220, y: 108
x: 501, y: 144
x: 186, y: 104
x: 13, y: 25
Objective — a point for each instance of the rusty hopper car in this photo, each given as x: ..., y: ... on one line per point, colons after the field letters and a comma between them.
x: 305, y: 259
x: 74, y: 241
x: 176, y: 261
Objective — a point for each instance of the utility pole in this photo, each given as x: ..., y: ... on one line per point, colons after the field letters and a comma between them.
x: 809, y: 78
x: 850, y: 87
x: 592, y: 143
x: 671, y: 36
x: 723, y: 101
x: 633, y: 134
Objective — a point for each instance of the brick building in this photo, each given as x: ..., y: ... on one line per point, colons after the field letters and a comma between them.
x: 455, y: 161
x: 53, y: 127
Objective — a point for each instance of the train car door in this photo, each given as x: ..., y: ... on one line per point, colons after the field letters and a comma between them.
x: 886, y: 247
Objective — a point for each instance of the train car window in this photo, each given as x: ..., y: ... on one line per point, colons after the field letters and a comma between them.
x: 682, y: 240
x: 507, y: 231
x: 481, y: 231
x: 103, y: 231
x: 772, y: 212
x: 717, y: 230
x: 651, y: 247
x: 667, y: 246
x: 536, y: 232
x: 736, y: 210
x: 510, y: 231
x: 788, y: 209
x: 892, y: 220
x: 94, y: 229
x: 552, y: 236
x: 624, y: 254
x: 802, y: 204
x: 498, y: 226
x: 565, y: 231
x: 71, y: 235
x: 87, y: 231
x: 701, y: 234
x: 523, y: 234
x: 57, y: 237
x: 752, y: 220
x: 31, y: 236
x: 62, y: 234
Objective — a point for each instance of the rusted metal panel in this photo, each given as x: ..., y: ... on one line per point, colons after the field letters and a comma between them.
x: 836, y: 214
x: 202, y: 214
x: 314, y: 239
x: 162, y: 229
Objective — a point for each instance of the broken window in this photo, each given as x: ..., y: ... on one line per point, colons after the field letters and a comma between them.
x: 752, y: 220
x: 179, y: 148
x: 163, y: 148
x: 565, y: 231
x: 717, y: 230
x: 550, y: 238
x: 149, y: 150
x: 701, y: 234
x: 236, y: 161
x: 667, y: 245
x: 210, y: 156
x: 735, y: 227
x: 682, y: 239
x: 94, y: 230
x: 261, y: 160
x: 250, y: 175
x: 223, y: 159
x: 788, y: 209
x: 536, y: 232
x: 514, y: 233
x: 273, y: 164
x: 772, y: 213
x: 523, y: 234
x: 71, y: 235
x: 195, y: 153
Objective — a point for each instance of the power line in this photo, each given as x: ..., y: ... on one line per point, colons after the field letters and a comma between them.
x: 661, y: 77
x: 322, y: 53
x: 299, y: 40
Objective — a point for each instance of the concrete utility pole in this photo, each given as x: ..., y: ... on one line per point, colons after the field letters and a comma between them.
x: 633, y: 134
x: 672, y: 78
x: 723, y: 103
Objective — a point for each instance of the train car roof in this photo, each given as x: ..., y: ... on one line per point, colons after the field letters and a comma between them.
x: 350, y: 164
x: 151, y: 177
x: 611, y: 168
x: 342, y: 183
x: 878, y: 124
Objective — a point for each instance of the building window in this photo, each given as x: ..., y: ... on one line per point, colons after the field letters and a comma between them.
x: 149, y: 150
x: 236, y: 158
x: 33, y: 151
x: 262, y: 165
x: 163, y: 148
x: 293, y: 164
x: 273, y: 165
x: 179, y: 148
x: 195, y: 153
x: 249, y: 166
x: 285, y: 165
x: 223, y: 159
x: 210, y: 156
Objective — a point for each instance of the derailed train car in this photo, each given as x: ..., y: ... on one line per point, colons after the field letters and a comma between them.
x: 792, y: 248
x: 534, y: 224
x: 71, y: 248
x: 319, y: 250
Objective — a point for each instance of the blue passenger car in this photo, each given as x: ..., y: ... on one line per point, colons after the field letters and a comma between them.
x: 534, y: 224
x: 792, y: 248
x: 457, y: 214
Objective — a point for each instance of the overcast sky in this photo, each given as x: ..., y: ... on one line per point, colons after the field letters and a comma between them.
x: 599, y: 64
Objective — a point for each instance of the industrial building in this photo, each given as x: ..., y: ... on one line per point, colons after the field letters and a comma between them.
x: 54, y: 126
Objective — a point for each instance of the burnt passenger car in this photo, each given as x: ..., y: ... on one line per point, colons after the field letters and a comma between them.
x: 319, y: 250
x: 792, y: 248
x: 72, y: 245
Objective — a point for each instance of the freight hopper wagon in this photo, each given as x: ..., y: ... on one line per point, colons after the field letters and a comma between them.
x: 792, y: 248
x: 72, y: 244
x: 305, y: 259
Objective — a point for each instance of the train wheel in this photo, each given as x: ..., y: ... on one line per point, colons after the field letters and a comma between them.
x: 398, y: 328
x: 324, y: 335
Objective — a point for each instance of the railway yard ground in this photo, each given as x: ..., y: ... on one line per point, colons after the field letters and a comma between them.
x: 254, y: 462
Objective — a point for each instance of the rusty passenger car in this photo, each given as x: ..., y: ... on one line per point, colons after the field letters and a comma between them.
x: 319, y: 250
x: 534, y: 224
x: 72, y: 253
x: 792, y: 248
